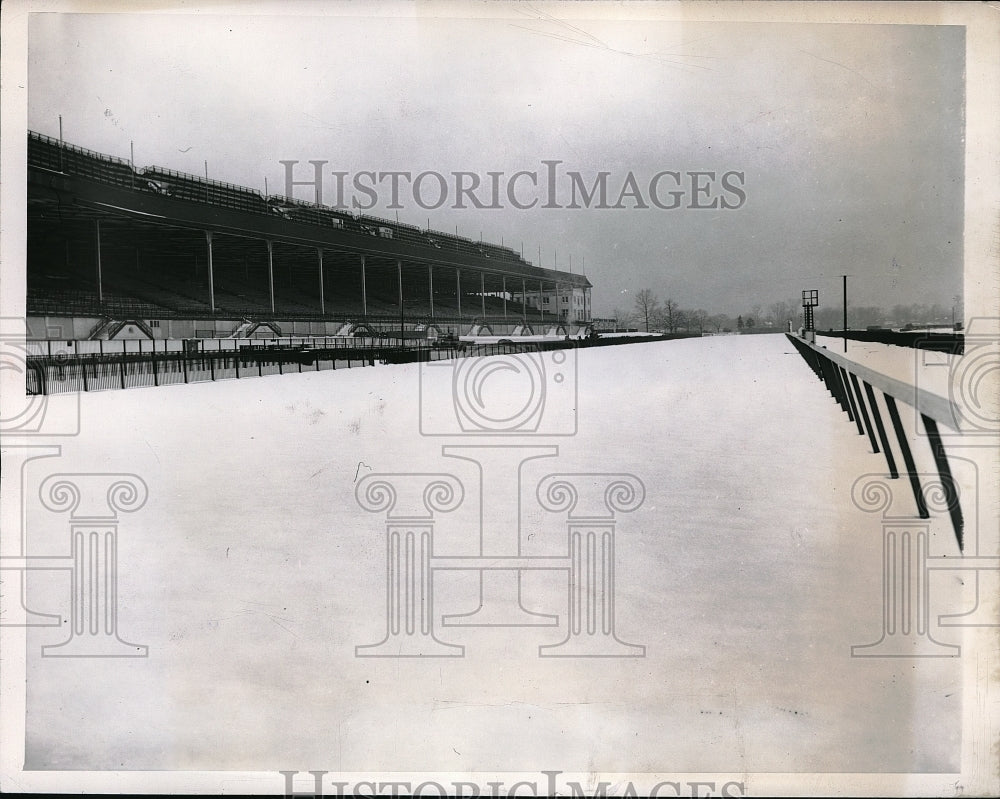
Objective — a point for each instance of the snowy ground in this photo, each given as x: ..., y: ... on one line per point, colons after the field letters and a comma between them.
x: 251, y: 574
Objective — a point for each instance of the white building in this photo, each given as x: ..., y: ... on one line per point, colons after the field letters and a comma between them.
x: 571, y: 304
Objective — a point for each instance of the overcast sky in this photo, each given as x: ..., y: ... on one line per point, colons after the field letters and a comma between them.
x: 850, y: 137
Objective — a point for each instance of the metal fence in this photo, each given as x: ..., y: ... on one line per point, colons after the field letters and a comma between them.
x: 96, y: 372
x: 131, y: 367
x: 953, y: 343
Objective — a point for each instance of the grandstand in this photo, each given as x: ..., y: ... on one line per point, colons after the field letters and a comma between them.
x: 190, y: 257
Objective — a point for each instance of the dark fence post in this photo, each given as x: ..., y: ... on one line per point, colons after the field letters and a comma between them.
x: 864, y: 412
x: 851, y: 410
x: 833, y: 383
x: 854, y: 405
x: 911, y: 467
x: 890, y: 461
x: 947, y: 481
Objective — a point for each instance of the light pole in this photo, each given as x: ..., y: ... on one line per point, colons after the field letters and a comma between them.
x: 845, y: 312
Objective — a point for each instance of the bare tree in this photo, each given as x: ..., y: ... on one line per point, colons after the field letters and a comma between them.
x: 782, y: 312
x: 700, y: 317
x: 622, y: 318
x: 682, y: 319
x: 646, y: 305
x: 670, y: 315
x: 721, y: 322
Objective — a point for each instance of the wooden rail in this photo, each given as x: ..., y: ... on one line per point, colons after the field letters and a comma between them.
x: 845, y: 378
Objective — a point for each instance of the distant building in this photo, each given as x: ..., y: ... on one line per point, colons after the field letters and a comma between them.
x: 572, y: 304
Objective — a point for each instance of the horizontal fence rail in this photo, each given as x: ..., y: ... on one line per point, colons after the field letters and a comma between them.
x: 953, y: 343
x: 855, y: 388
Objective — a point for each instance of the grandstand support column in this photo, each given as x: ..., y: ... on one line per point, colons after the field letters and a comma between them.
x: 211, y: 276
x: 524, y: 302
x: 558, y: 302
x: 322, y: 297
x: 482, y: 292
x: 97, y: 259
x: 541, y: 311
x: 402, y: 323
x: 503, y: 279
x: 364, y: 289
x: 458, y: 289
x: 430, y: 286
x: 270, y: 272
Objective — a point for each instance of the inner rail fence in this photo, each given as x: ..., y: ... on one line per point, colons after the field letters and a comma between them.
x: 953, y: 343
x: 855, y: 388
x: 132, y: 368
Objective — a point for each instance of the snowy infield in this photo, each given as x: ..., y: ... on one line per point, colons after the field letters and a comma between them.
x: 251, y: 574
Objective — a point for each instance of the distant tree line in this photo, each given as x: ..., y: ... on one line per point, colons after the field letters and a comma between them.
x: 649, y: 313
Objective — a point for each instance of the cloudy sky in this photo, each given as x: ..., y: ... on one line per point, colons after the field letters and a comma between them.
x: 849, y: 137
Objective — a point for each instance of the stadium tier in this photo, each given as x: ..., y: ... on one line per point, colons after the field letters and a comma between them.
x: 107, y: 241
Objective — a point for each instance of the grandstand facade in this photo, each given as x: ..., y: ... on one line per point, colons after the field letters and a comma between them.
x: 120, y: 252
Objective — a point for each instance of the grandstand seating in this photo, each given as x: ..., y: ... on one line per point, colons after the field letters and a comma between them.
x: 166, y: 291
x: 301, y: 211
x: 48, y: 153
x: 56, y: 296
x: 179, y: 296
x: 254, y: 300
x: 203, y: 190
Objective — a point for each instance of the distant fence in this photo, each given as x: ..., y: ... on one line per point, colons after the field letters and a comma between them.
x: 58, y: 348
x: 919, y: 339
x: 127, y: 368
x: 855, y: 386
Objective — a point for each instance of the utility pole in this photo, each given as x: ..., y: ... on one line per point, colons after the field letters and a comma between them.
x: 845, y: 312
